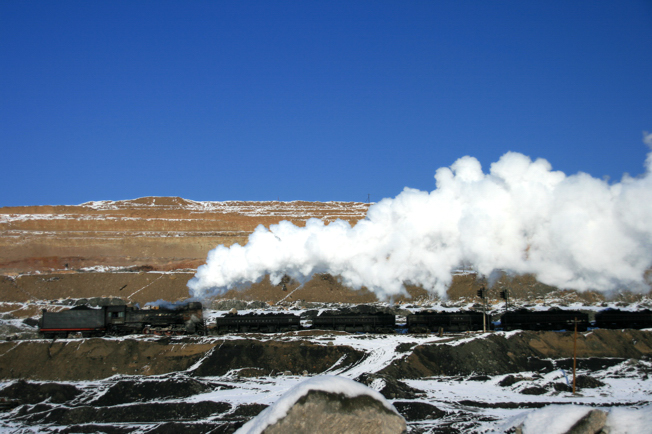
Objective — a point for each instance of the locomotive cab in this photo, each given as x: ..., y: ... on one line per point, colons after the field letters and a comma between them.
x: 115, y: 315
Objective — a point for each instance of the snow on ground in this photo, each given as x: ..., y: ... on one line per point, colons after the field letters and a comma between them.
x: 493, y: 408
x: 556, y: 419
x: 249, y: 208
x: 474, y: 404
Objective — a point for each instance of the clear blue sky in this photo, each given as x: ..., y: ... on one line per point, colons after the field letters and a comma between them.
x: 311, y: 100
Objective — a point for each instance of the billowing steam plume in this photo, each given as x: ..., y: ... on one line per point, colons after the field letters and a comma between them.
x: 574, y: 232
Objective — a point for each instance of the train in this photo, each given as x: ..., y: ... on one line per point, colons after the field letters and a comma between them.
x: 189, y: 320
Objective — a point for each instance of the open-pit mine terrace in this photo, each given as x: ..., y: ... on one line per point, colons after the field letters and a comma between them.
x: 140, y: 250
x: 160, y: 233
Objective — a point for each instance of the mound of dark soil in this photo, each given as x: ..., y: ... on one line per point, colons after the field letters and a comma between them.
x: 92, y: 429
x: 497, y: 354
x: 247, y: 411
x: 586, y: 382
x: 534, y: 390
x: 138, y: 413
x: 125, y: 391
x: 510, y: 380
x: 562, y: 387
x: 392, y: 388
x: 32, y: 393
x: 492, y: 355
x: 412, y: 411
x: 268, y: 358
x: 511, y: 405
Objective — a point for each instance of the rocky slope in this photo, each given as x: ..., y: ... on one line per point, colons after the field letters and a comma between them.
x: 470, y: 383
x: 255, y: 355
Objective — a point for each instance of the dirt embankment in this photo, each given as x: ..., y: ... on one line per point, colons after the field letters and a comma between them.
x: 524, y: 351
x: 136, y: 287
x: 89, y: 359
x: 148, y: 286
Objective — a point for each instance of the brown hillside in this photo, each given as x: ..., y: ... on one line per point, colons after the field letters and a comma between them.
x: 163, y: 233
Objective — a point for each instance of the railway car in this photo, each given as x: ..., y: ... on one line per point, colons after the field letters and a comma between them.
x: 553, y: 319
x: 122, y: 320
x: 89, y: 322
x: 256, y: 323
x: 424, y: 322
x: 356, y: 322
x: 618, y: 319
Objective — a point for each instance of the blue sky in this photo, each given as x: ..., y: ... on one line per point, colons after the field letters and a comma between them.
x: 311, y: 100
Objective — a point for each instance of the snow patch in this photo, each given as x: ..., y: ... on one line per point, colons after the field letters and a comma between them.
x: 558, y: 419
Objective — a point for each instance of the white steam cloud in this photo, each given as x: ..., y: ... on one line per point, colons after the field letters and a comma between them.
x: 574, y: 232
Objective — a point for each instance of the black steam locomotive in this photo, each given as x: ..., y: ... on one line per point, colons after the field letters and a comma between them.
x: 122, y: 320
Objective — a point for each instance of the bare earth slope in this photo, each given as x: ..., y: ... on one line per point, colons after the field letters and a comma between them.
x: 52, y: 252
x: 164, y: 233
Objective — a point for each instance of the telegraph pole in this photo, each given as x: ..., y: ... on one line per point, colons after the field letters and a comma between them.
x: 574, y: 356
x: 482, y: 293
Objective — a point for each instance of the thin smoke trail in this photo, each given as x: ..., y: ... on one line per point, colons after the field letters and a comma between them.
x: 573, y: 232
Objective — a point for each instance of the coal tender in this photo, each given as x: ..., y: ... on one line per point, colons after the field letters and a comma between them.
x: 553, y: 319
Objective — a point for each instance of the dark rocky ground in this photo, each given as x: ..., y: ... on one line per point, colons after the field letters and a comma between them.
x: 162, y: 385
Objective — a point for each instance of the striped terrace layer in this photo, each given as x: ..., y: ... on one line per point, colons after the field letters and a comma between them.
x: 163, y: 233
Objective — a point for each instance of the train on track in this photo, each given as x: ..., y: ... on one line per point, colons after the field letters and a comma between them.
x: 189, y: 319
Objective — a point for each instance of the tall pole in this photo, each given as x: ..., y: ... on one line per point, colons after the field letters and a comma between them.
x: 482, y: 293
x: 486, y: 320
x: 574, y: 355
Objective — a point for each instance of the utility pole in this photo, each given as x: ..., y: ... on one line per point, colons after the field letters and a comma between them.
x: 574, y: 356
x: 482, y: 293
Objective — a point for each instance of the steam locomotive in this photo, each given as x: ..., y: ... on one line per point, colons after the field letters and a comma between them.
x: 122, y: 320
